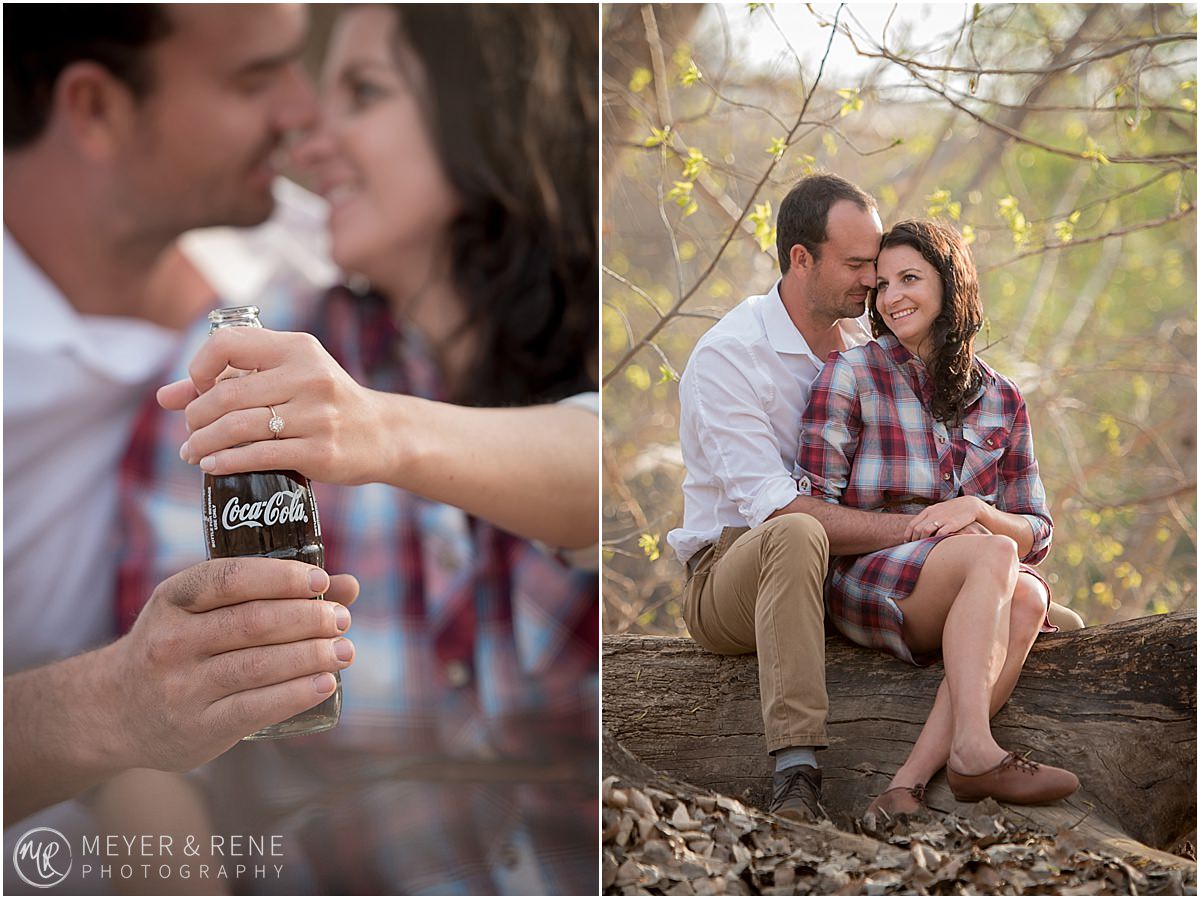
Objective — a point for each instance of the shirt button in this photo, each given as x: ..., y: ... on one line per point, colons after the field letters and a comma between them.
x: 990, y: 442
x: 457, y: 674
x: 941, y: 439
x: 946, y: 476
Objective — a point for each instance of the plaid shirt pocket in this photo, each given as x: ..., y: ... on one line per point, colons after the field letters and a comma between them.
x: 985, y: 447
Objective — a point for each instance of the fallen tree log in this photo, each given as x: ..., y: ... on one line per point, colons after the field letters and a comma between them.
x: 1116, y: 704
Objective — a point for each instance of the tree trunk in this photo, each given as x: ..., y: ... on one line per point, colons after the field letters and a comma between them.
x: 1114, y: 704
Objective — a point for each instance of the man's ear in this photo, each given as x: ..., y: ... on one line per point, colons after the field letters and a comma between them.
x: 95, y: 108
x: 799, y: 258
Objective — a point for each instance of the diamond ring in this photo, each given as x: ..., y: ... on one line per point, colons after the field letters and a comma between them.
x: 275, y: 425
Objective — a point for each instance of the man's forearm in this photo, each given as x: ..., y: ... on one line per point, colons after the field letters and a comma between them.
x: 851, y: 532
x: 60, y: 733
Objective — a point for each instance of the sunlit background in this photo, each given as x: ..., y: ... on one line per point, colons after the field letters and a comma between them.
x: 1059, y: 138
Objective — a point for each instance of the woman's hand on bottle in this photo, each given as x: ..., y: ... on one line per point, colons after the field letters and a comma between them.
x: 332, y: 427
x: 943, y: 519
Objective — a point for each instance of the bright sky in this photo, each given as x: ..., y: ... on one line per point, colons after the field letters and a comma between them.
x: 759, y: 44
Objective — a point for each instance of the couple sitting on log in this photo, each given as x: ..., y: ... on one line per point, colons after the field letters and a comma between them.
x: 882, y: 478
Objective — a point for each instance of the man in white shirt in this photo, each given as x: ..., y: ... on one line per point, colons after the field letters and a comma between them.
x: 755, y: 545
x: 125, y: 126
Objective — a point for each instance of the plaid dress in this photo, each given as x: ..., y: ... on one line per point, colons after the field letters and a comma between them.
x: 466, y: 758
x: 869, y: 442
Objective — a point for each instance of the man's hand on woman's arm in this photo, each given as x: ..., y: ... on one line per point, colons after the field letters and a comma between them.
x: 852, y: 532
x: 221, y: 649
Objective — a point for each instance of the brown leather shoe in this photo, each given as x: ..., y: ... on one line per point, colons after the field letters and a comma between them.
x: 891, y: 804
x: 1016, y: 780
x: 796, y: 794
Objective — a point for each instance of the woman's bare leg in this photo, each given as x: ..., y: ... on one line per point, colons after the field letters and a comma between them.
x: 961, y: 603
x: 932, y: 749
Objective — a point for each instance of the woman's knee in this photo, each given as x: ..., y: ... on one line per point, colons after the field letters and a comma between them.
x: 1028, y: 604
x: 994, y: 553
x: 997, y: 555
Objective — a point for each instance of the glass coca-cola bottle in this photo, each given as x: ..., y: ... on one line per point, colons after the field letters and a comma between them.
x: 266, y: 513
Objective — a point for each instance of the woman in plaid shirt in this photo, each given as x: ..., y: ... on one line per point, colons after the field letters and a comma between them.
x: 915, y: 423
x: 450, y: 416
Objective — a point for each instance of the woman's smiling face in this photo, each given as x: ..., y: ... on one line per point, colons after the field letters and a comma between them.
x: 908, y: 295
x: 373, y: 155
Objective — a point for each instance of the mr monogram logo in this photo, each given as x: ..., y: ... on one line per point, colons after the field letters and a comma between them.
x: 42, y: 857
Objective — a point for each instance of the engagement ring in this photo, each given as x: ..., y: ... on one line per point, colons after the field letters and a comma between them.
x: 275, y: 424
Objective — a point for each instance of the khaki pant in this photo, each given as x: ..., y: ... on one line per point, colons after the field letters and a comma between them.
x: 760, y: 590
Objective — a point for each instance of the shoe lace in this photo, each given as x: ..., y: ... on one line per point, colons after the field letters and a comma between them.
x: 1024, y: 763
x: 918, y: 792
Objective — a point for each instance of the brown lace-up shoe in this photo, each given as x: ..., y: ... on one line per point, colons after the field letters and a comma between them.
x: 897, y: 801
x: 1016, y: 780
x: 796, y: 794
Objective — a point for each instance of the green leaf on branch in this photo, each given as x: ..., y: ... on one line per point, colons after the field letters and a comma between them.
x: 1015, y: 219
x: 658, y: 136
x: 778, y: 147
x: 640, y: 80
x: 681, y: 195
x: 852, y: 101
x: 1094, y: 153
x: 1188, y: 87
x: 807, y: 163
x: 666, y: 374
x: 760, y: 218
x: 694, y: 163
x: 1065, y: 230
x: 648, y: 543
x: 941, y: 203
x: 691, y: 74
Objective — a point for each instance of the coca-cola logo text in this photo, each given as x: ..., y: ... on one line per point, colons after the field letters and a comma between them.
x: 284, y: 507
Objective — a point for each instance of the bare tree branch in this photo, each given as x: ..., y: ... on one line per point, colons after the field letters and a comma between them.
x: 913, y: 64
x: 679, y: 303
x: 1140, y: 226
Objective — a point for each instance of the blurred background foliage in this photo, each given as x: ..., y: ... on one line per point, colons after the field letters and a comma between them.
x: 1061, y: 139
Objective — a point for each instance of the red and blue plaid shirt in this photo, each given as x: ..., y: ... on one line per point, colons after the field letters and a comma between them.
x: 466, y: 757
x: 869, y: 442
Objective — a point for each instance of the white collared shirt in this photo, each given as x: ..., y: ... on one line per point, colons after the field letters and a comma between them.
x: 741, y: 399
x: 72, y: 385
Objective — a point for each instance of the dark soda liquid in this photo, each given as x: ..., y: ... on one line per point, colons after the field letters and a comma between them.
x: 271, y: 514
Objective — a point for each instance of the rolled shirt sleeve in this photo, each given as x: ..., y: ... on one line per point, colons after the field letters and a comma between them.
x: 829, y: 432
x: 1021, y: 490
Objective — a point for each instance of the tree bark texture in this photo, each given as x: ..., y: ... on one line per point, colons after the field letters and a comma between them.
x: 1115, y: 704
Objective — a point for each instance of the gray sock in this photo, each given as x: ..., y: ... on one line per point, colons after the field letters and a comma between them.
x: 795, y: 755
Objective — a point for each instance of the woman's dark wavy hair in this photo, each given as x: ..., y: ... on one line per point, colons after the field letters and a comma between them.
x: 510, y: 95
x: 951, y: 364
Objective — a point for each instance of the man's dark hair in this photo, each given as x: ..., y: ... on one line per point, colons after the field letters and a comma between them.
x: 804, y: 213
x: 42, y: 39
